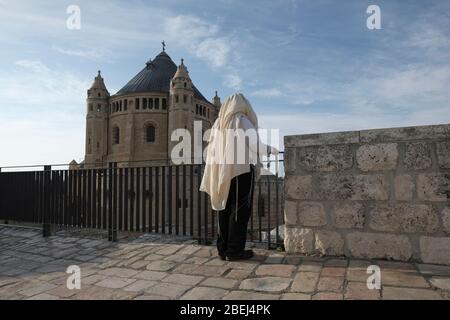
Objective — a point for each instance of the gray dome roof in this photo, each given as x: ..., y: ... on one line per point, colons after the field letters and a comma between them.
x: 155, y: 77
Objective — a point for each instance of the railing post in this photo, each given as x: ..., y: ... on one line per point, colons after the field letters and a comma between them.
x: 46, y: 223
x: 6, y: 221
x: 114, y: 221
x: 277, y: 201
x: 112, y: 202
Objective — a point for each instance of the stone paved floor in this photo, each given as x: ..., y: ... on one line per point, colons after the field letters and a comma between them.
x: 156, y: 267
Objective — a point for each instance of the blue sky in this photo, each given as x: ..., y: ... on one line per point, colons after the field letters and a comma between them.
x: 306, y: 66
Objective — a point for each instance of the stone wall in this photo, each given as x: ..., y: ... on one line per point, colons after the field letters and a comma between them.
x: 370, y: 194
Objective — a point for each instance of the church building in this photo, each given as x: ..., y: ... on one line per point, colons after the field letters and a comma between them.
x: 133, y: 127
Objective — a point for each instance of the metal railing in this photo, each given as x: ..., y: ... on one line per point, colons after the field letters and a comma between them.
x: 152, y: 199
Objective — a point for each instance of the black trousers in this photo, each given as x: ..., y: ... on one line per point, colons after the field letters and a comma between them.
x: 233, y: 220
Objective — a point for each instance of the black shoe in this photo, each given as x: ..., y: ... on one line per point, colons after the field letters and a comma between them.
x: 221, y: 255
x: 244, y: 255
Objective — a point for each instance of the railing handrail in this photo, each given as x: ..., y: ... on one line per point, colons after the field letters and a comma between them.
x: 106, y: 162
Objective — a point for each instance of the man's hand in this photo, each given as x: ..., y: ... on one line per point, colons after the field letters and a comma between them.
x: 272, y: 150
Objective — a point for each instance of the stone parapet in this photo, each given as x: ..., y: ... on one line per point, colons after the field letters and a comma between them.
x: 377, y: 194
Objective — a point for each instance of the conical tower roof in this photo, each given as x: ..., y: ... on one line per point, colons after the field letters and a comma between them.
x: 98, y: 82
x: 182, y: 71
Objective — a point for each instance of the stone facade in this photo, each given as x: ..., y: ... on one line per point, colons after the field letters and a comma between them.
x: 134, y: 126
x: 375, y: 194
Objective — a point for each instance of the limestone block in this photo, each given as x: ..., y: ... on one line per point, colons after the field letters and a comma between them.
x: 328, y: 138
x: 352, y: 187
x: 290, y: 212
x: 405, y: 133
x: 311, y: 214
x: 326, y: 158
x: 443, y: 154
x: 379, y: 246
x: 404, y: 187
x: 298, y: 187
x: 404, y: 217
x: 290, y: 160
x: 329, y: 243
x: 348, y: 215
x: 298, y: 240
x: 433, y: 186
x: 435, y: 250
x: 374, y: 157
x: 417, y: 155
x: 445, y: 214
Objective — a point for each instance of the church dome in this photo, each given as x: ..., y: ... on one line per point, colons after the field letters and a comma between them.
x: 155, y: 77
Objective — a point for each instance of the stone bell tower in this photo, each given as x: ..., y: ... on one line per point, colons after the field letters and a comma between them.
x: 97, y: 123
x: 181, y: 108
x: 216, y: 102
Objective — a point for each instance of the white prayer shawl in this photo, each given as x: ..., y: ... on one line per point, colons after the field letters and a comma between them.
x: 235, y: 113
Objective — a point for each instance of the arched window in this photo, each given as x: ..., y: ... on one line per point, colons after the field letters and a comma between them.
x: 150, y: 133
x: 116, y: 135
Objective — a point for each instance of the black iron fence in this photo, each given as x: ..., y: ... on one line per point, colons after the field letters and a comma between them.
x: 154, y: 199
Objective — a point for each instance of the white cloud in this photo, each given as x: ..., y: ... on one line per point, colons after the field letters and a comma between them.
x: 415, y: 82
x: 403, y: 91
x: 32, y: 65
x: 35, y: 83
x: 319, y: 122
x: 429, y: 37
x: 92, y: 54
x: 189, y: 28
x: 200, y: 38
x: 267, y: 93
x: 232, y: 81
x: 47, y: 139
x: 214, y: 51
x: 43, y: 114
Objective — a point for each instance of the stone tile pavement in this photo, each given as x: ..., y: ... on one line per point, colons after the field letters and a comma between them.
x: 164, y: 267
